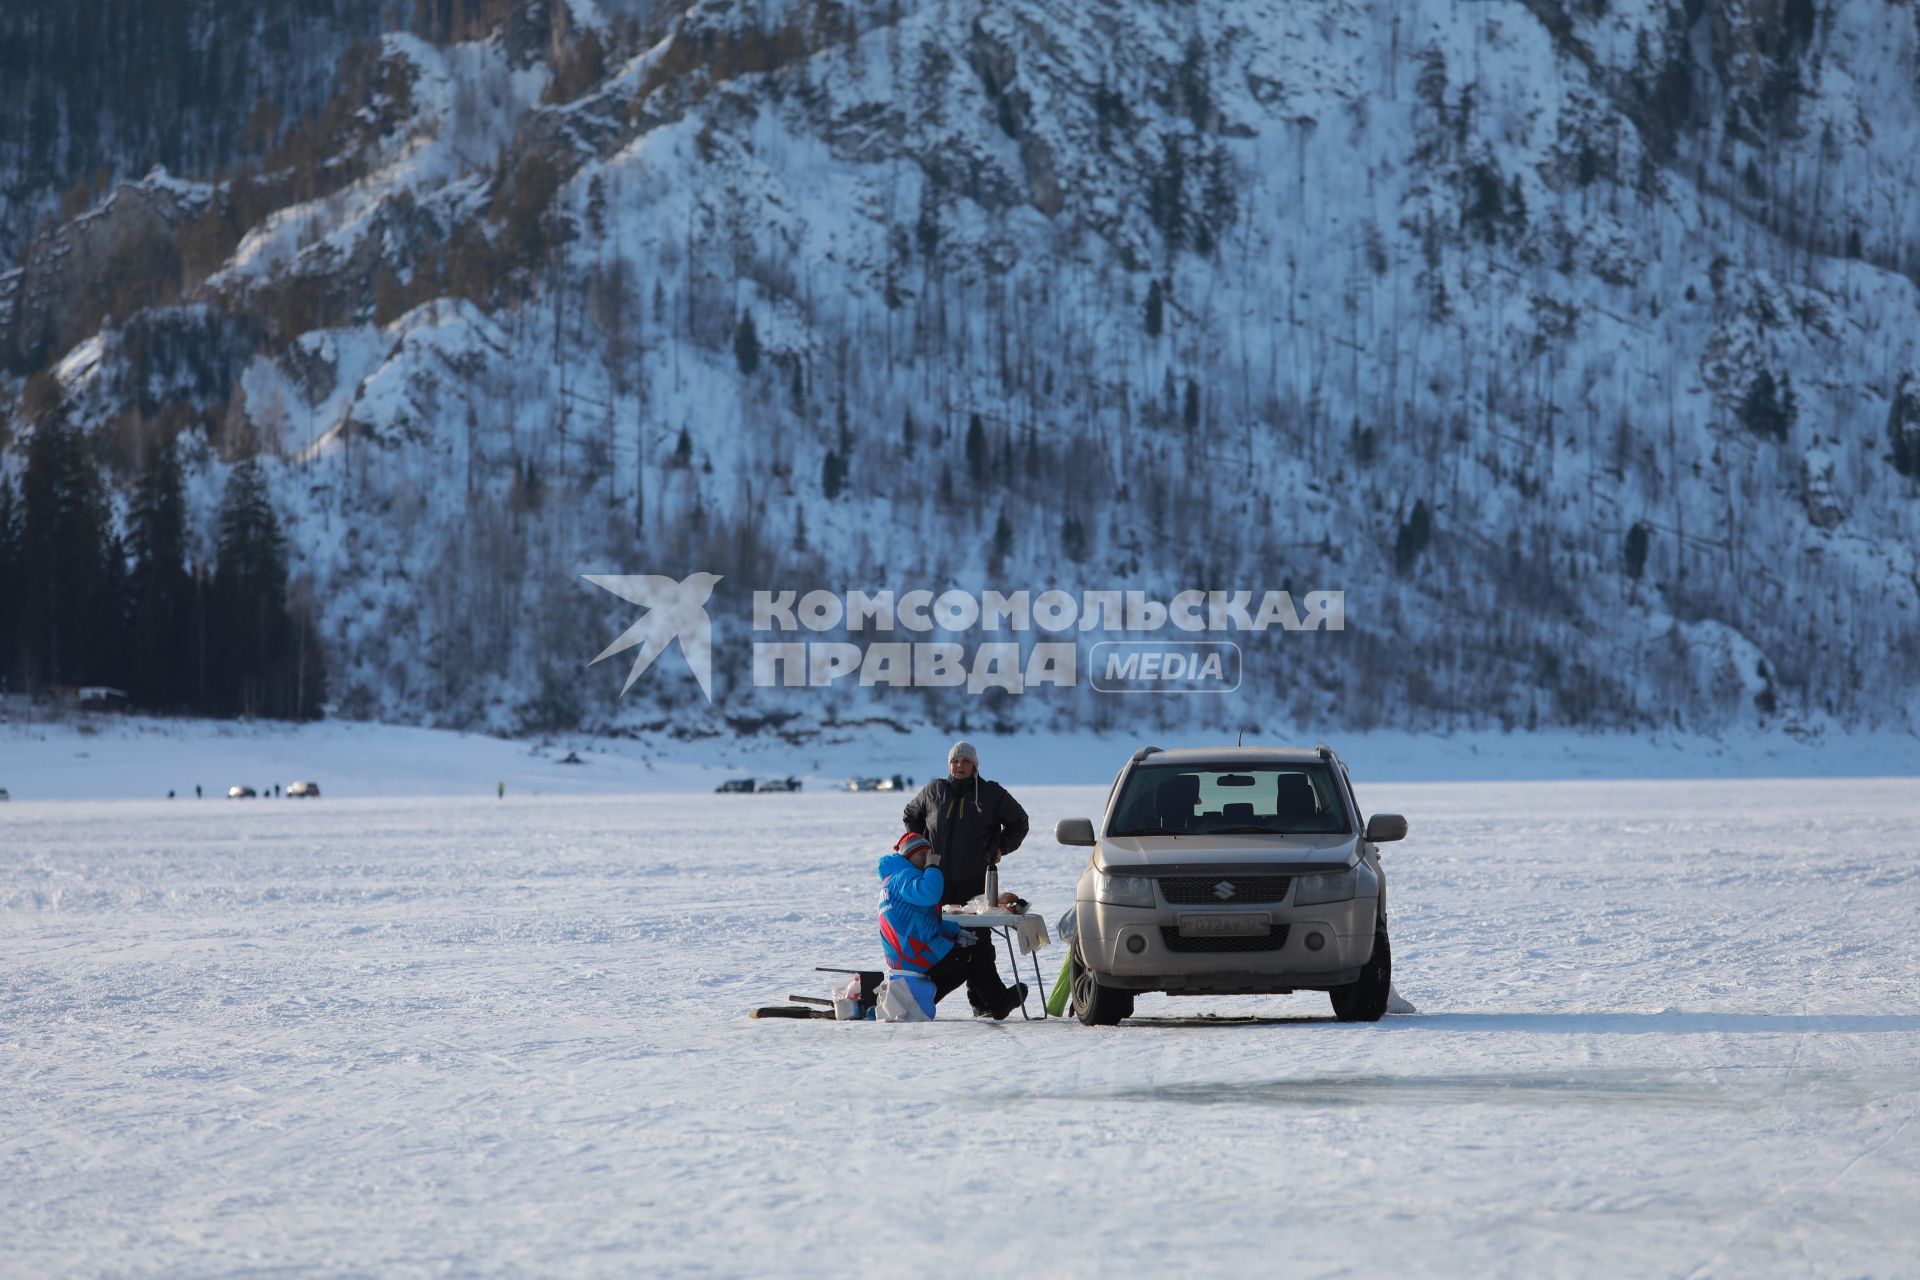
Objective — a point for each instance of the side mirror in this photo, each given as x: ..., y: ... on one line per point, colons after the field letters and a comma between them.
x: 1383, y: 827
x: 1080, y: 831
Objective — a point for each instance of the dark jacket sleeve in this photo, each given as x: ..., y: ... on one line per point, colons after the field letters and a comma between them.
x: 915, y: 814
x: 1013, y: 821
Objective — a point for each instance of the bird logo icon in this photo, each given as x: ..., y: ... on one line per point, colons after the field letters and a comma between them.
x: 674, y: 611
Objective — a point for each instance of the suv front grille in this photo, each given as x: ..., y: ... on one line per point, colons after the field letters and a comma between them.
x: 1207, y: 891
x: 1275, y: 938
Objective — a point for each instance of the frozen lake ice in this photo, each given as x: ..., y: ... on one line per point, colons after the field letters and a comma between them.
x: 1665, y: 1029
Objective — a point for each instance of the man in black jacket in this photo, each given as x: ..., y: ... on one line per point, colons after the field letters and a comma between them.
x: 972, y: 824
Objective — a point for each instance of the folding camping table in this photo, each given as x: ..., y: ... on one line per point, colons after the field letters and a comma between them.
x: 1006, y: 924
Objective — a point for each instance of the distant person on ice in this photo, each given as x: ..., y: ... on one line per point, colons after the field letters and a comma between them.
x: 971, y: 823
x: 927, y: 956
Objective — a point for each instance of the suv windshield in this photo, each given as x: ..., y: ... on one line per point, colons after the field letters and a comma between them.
x: 1222, y: 799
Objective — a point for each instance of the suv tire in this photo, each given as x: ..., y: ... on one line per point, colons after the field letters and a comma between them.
x: 1365, y: 998
x: 1093, y: 1004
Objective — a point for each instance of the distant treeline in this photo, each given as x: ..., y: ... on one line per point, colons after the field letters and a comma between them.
x: 81, y: 605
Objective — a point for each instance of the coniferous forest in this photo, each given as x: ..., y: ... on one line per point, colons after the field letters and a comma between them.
x: 81, y: 606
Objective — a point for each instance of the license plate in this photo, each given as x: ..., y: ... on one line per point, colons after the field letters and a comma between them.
x: 1241, y: 925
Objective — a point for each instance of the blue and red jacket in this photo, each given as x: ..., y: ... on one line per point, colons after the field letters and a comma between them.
x: 914, y: 935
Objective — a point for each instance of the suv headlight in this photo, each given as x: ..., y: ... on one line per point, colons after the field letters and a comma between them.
x: 1123, y: 891
x: 1337, y: 887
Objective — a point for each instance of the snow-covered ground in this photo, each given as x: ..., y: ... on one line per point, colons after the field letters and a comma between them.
x: 1665, y: 1028
x: 112, y: 757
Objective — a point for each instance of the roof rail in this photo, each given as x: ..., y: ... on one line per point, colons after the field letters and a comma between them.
x: 1144, y: 752
x: 1326, y: 752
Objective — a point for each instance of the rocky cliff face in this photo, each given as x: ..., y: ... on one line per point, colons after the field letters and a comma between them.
x: 75, y: 276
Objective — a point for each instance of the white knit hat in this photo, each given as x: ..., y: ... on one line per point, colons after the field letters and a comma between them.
x: 964, y: 750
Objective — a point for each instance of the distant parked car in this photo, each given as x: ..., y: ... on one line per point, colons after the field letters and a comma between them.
x: 307, y: 790
x: 4, y: 795
x: 862, y: 784
x: 777, y: 784
x: 240, y: 793
x: 734, y: 786
x: 894, y: 783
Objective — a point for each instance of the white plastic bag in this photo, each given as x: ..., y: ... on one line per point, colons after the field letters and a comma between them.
x: 905, y: 997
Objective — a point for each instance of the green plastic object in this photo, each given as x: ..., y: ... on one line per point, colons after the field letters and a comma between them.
x: 1062, y: 988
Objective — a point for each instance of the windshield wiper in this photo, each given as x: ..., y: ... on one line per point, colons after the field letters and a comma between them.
x: 1149, y: 831
x: 1245, y: 831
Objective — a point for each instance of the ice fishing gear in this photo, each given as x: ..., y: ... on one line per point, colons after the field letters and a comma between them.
x: 860, y: 993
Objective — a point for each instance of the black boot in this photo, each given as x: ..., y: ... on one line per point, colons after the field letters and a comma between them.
x: 1015, y: 997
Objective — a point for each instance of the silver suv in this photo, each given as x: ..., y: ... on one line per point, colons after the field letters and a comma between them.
x: 1231, y: 870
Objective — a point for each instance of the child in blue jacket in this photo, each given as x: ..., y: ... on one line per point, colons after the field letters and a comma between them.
x: 919, y: 943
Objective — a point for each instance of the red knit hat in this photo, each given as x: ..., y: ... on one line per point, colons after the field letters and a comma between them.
x: 911, y: 843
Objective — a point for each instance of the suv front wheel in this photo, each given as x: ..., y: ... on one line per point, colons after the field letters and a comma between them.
x: 1365, y: 998
x: 1093, y: 1004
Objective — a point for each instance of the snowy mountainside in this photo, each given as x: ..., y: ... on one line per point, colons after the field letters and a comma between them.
x: 1574, y: 343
